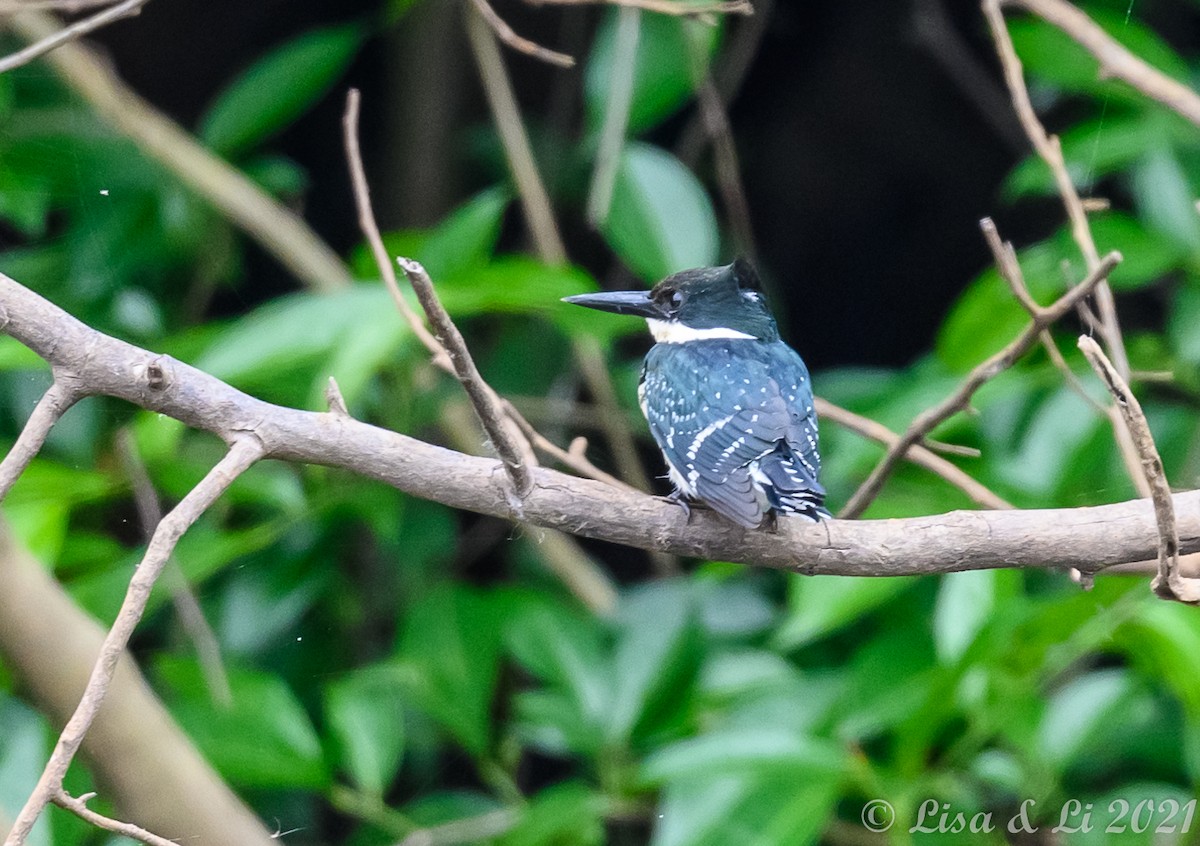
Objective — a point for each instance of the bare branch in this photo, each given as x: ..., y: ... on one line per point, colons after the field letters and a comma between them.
x: 78, y: 806
x: 469, y: 830
x: 663, y: 7
x: 187, y: 606
x: 1048, y: 147
x: 370, y: 229
x: 1010, y: 269
x: 929, y: 419
x: 53, y: 404
x: 522, y: 45
x: 1088, y: 538
x: 69, y: 33
x: 483, y: 399
x: 1169, y: 583
x: 1115, y: 60
x: 917, y: 454
x: 243, y: 452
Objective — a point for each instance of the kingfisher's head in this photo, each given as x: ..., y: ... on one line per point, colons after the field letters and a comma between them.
x: 694, y: 305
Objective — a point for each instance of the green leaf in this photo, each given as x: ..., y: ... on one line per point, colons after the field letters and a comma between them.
x: 366, y: 718
x: 264, y: 739
x: 820, y: 605
x: 657, y: 657
x: 23, y: 749
x: 278, y: 88
x: 672, y: 55
x: 768, y: 811
x: 742, y: 749
x: 567, y: 814
x: 1079, y: 711
x: 661, y: 220
x: 566, y: 650
x: 1165, y: 199
x: 1183, y: 324
x: 449, y: 654
x: 964, y: 603
x: 463, y: 242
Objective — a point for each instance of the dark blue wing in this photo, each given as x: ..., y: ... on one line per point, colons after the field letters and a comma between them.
x: 735, y: 423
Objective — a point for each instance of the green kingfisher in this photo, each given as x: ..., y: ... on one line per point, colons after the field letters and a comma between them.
x: 729, y: 404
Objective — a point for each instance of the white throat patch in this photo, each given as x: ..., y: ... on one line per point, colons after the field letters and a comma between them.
x: 674, y: 332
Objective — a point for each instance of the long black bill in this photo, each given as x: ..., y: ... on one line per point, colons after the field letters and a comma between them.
x: 637, y: 303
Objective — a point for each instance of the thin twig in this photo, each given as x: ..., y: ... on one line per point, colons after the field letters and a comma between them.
x: 519, y: 43
x: 572, y: 458
x: 243, y: 453
x: 917, y: 454
x: 278, y: 229
x: 78, y: 807
x: 11, y: 7
x: 1169, y: 583
x: 535, y: 202
x: 483, y: 399
x: 616, y: 115
x: 929, y: 419
x: 50, y: 408
x: 187, y: 606
x: 1115, y: 60
x: 370, y: 229
x: 663, y: 7
x: 1010, y: 270
x: 69, y: 33
x: 1050, y: 150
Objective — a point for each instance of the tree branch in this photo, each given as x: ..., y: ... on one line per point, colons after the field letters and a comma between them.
x: 1087, y: 538
x: 917, y: 454
x: 519, y: 43
x: 50, y: 408
x: 244, y: 450
x: 1115, y: 60
x: 483, y: 399
x: 1050, y: 150
x: 69, y: 33
x: 663, y: 7
x: 931, y: 418
x: 149, y: 767
x: 78, y: 807
x: 1169, y: 583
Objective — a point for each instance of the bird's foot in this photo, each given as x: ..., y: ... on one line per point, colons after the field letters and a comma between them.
x: 677, y: 497
x: 770, y: 523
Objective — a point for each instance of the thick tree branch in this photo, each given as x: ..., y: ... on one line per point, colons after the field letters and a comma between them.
x: 931, y: 418
x: 1087, y: 538
x: 244, y: 450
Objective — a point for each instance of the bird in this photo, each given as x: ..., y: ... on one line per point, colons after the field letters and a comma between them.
x: 728, y: 402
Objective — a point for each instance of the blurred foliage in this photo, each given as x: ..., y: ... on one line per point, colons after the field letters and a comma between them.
x: 395, y: 665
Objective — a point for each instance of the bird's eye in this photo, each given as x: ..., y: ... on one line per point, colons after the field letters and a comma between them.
x: 676, y: 299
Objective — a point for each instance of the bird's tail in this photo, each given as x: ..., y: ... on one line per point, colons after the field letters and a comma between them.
x: 789, y: 488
